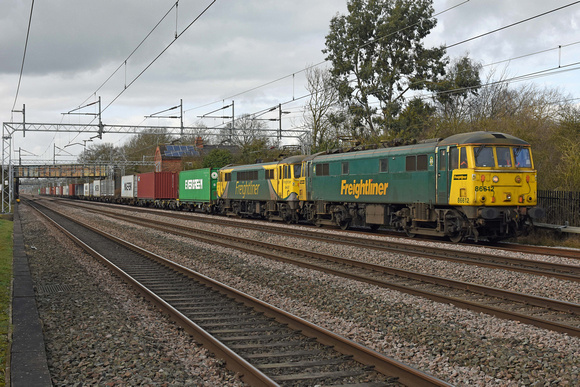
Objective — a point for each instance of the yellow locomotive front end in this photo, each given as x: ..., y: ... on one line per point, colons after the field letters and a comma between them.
x: 494, y: 176
x: 496, y: 185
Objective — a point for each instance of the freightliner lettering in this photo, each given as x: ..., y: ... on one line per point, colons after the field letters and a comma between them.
x: 363, y: 188
x: 248, y: 188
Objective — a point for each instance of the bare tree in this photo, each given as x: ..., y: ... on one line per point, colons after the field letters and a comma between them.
x: 245, y: 132
x: 323, y: 101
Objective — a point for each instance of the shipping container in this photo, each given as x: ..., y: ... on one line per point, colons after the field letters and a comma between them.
x: 129, y: 186
x: 107, y: 188
x: 71, y: 189
x: 88, y: 189
x: 198, y: 185
x: 157, y: 185
x: 65, y: 190
x: 79, y: 189
x: 96, y: 185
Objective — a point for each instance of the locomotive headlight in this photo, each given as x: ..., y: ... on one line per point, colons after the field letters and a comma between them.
x: 518, y: 179
x: 529, y: 198
x: 483, y: 198
x: 495, y: 179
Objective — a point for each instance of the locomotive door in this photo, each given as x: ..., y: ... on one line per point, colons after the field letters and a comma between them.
x: 443, y: 176
x: 308, y: 180
x: 280, y: 181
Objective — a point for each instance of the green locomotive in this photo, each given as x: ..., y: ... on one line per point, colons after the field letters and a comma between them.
x: 467, y: 185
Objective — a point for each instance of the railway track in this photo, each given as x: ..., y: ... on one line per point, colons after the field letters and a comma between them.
x: 549, y: 269
x: 539, y: 311
x: 266, y: 345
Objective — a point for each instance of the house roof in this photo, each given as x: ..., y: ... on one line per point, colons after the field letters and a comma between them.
x: 177, y: 151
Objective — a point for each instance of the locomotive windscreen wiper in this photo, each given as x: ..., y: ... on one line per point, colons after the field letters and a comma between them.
x: 478, y: 151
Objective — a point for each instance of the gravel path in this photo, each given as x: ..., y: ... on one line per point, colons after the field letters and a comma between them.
x: 459, y: 346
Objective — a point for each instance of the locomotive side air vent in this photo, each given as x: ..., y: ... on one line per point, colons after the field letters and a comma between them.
x: 498, y: 135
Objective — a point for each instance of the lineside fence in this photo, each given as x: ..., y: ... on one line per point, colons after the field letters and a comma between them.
x: 562, y: 207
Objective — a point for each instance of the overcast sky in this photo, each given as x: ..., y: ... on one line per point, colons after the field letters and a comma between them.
x: 75, y: 45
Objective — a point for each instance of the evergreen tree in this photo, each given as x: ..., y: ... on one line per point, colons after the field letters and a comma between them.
x: 378, y: 55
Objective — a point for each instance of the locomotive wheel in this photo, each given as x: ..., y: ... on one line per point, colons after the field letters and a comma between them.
x: 455, y: 220
x: 341, y: 217
x: 457, y: 238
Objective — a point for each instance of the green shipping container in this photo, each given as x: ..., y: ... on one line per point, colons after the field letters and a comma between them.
x: 198, y: 185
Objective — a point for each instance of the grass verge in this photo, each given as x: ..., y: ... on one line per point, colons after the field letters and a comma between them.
x: 551, y: 238
x: 5, y: 297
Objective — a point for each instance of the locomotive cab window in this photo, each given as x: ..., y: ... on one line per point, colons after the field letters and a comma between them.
x: 228, y: 176
x: 522, y: 157
x: 463, y: 158
x: 269, y: 174
x: 297, y: 169
x: 504, y: 157
x: 484, y: 156
x: 345, y: 168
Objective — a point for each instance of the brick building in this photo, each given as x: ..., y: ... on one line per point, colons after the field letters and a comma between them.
x: 168, y: 157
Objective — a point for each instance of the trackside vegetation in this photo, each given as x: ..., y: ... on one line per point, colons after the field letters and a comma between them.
x: 5, y: 299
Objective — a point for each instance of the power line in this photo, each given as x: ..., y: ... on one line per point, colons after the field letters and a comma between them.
x: 523, y: 77
x: 385, y: 37
x: 513, y: 24
x: 320, y: 63
x: 532, y: 54
x: 24, y: 55
x: 124, y: 63
x: 518, y: 78
x: 177, y: 36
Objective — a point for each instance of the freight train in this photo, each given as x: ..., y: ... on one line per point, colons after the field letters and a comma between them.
x: 470, y: 185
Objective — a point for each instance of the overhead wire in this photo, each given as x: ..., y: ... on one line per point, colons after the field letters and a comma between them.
x: 319, y: 63
x: 446, y: 47
x: 161, y: 53
x: 513, y: 24
x: 177, y: 36
x: 124, y: 63
x: 24, y: 55
x: 528, y: 76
